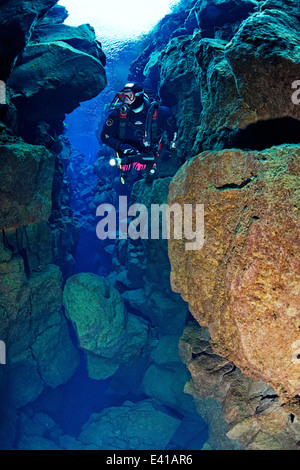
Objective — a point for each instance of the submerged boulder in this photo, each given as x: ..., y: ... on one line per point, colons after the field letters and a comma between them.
x: 244, y: 283
x: 37, y: 432
x: 132, y: 426
x: 97, y: 311
x: 241, y: 412
x: 165, y: 383
x: 249, y: 80
x: 60, y: 67
x: 105, y: 331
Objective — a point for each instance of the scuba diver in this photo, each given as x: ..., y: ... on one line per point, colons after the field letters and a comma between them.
x: 135, y: 129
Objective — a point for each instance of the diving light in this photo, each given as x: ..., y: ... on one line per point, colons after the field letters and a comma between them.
x: 115, y: 161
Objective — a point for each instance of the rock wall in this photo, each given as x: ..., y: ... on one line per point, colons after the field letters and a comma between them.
x: 17, y: 21
x: 130, y: 335
x: 38, y: 231
x: 243, y: 284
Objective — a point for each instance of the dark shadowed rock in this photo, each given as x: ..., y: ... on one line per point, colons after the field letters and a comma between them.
x: 17, y: 18
x: 57, y: 14
x: 214, y: 14
x: 241, y: 412
x: 26, y: 175
x: 289, y: 6
x: 82, y: 38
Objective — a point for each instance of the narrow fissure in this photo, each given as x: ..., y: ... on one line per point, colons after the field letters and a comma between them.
x: 234, y: 185
x: 265, y: 134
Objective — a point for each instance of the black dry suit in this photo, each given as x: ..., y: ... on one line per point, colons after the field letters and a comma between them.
x: 140, y: 129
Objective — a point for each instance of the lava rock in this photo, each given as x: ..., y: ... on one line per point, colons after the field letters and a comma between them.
x: 243, y: 413
x: 34, y: 242
x: 26, y: 175
x: 105, y: 331
x: 266, y: 50
x: 36, y: 432
x: 82, y: 38
x: 213, y: 14
x: 179, y: 85
x: 40, y: 352
x: 98, y: 312
x: 138, y: 426
x: 165, y: 384
x: 289, y: 6
x: 44, y: 90
x: 17, y: 19
x: 243, y: 283
x: 249, y: 80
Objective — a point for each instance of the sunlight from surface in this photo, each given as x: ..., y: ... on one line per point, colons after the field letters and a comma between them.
x: 119, y: 18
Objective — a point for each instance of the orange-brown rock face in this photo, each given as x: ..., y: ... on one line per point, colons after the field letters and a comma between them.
x: 244, y: 284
